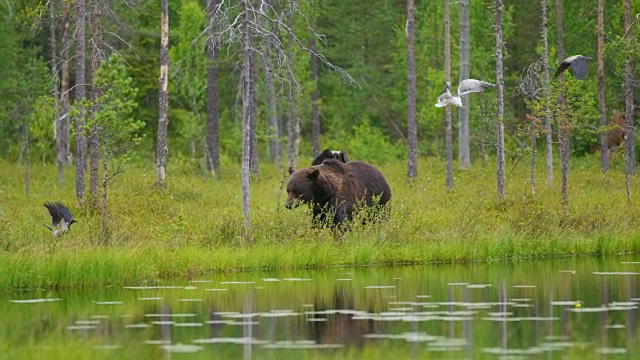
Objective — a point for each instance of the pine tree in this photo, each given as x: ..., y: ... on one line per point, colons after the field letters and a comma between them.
x: 412, y: 127
x: 500, y: 172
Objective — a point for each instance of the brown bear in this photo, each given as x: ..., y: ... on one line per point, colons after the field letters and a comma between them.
x: 329, y: 154
x: 338, y: 189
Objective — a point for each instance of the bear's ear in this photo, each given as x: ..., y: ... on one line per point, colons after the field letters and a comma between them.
x: 314, y: 174
x: 291, y: 170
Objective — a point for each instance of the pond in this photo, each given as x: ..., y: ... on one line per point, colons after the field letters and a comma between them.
x: 583, y: 308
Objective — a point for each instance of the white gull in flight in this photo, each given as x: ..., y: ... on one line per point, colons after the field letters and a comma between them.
x: 465, y: 87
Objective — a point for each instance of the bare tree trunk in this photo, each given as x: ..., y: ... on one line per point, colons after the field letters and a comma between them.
x: 534, y: 144
x: 213, y: 117
x: 81, y: 93
x: 59, y: 131
x: 94, y: 141
x: 564, y: 132
x: 246, y: 121
x: 253, y: 90
x: 293, y: 127
x: 604, y: 150
x: 630, y: 155
x: 27, y: 154
x: 500, y: 89
x: 274, y: 128
x: 447, y: 120
x: 64, y: 82
x: 315, y: 114
x: 559, y: 31
x: 162, y: 148
x: 105, y: 198
x: 547, y: 116
x: 275, y: 151
x: 464, y: 152
x: 412, y: 127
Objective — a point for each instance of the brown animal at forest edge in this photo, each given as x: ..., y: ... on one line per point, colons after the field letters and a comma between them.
x: 616, y: 135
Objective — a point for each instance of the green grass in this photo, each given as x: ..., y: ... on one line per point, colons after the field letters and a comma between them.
x: 195, y: 225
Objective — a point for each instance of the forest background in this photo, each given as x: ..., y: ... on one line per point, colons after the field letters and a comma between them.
x: 367, y: 118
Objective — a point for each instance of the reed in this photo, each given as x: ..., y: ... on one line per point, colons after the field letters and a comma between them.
x: 194, y: 226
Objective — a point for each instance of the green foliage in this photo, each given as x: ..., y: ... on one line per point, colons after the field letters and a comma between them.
x: 112, y: 110
x: 42, y: 126
x: 187, y: 56
x: 577, y: 112
x: 370, y: 143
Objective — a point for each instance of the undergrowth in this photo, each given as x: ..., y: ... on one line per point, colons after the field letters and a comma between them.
x: 195, y: 225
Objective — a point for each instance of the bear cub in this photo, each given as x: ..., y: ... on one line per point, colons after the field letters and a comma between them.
x: 329, y: 154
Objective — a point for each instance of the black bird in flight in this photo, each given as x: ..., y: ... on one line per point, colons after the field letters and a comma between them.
x: 578, y: 63
x: 60, y: 215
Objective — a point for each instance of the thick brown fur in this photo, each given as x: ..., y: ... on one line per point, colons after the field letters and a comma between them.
x: 337, y: 188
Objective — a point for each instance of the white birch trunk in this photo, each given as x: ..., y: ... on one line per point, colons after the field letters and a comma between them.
x: 161, y: 147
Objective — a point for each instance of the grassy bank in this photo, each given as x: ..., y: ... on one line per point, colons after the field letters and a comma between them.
x: 195, y: 225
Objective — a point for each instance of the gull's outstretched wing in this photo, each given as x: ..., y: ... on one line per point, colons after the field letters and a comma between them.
x: 471, y: 85
x: 443, y: 100
x: 445, y: 96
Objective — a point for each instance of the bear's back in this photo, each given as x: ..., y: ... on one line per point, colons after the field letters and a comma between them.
x: 369, y: 177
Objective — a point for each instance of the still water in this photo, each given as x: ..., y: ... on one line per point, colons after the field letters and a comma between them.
x: 584, y: 308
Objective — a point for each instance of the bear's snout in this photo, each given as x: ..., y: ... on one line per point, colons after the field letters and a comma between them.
x: 290, y: 203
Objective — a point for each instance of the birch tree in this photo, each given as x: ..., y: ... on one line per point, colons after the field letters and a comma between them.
x: 246, y: 119
x: 253, y: 92
x: 464, y: 155
x: 213, y: 117
x: 547, y: 93
x: 161, y: 146
x: 293, y: 124
x: 562, y: 124
x: 315, y: 113
x: 447, y: 117
x: 500, y: 172
x: 630, y: 156
x: 412, y: 127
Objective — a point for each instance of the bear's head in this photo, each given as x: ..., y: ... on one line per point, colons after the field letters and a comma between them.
x: 311, y: 185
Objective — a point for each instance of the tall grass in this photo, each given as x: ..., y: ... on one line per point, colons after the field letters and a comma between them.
x: 195, y: 225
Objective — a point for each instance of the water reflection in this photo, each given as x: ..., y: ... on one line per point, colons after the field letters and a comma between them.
x: 573, y: 308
